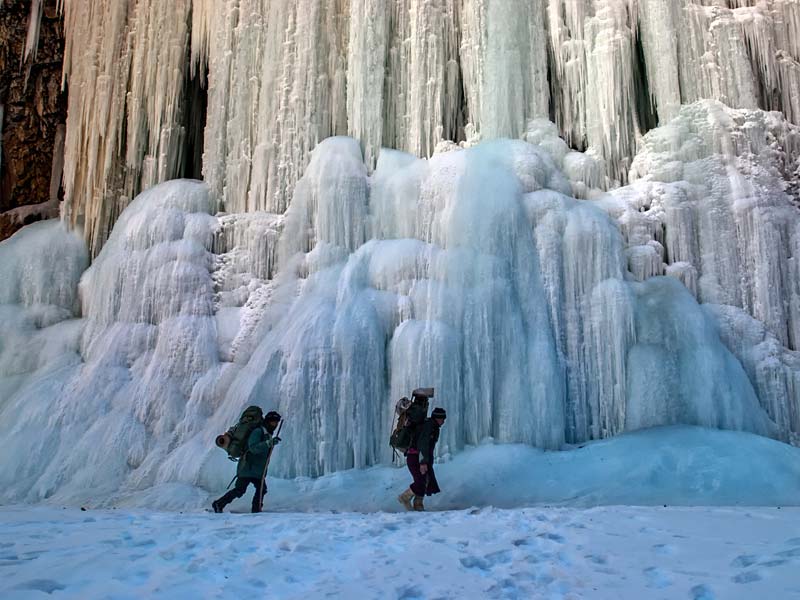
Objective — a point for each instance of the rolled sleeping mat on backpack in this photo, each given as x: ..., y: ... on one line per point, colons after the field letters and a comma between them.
x: 402, y: 405
x: 223, y: 440
x: 427, y: 392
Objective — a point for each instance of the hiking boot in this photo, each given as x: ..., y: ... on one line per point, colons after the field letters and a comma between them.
x: 405, y: 498
x: 418, y: 505
x: 217, y: 506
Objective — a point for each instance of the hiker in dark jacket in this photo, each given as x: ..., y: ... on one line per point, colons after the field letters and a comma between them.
x: 251, y: 468
x: 419, y: 460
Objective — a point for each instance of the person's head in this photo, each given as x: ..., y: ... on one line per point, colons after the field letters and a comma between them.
x: 439, y: 415
x: 271, y: 420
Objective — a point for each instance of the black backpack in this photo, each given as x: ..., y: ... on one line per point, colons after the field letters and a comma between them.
x: 234, y: 441
x: 410, y: 415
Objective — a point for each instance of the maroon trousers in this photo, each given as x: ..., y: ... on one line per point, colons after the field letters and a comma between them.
x: 424, y: 485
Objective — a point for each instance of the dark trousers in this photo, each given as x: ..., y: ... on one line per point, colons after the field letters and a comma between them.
x: 241, y: 487
x: 424, y: 485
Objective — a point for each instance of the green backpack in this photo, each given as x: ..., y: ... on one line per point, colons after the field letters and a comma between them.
x: 238, y: 435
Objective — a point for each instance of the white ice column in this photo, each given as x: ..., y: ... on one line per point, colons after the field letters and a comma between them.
x: 423, y: 84
x: 657, y: 20
x: 774, y: 370
x: 680, y: 372
x: 330, y: 202
x: 714, y: 60
x: 612, y: 125
x: 568, y: 47
x: 504, y: 58
x: 221, y: 34
x: 366, y: 64
x: 280, y: 90
x: 582, y: 265
x: 125, y: 65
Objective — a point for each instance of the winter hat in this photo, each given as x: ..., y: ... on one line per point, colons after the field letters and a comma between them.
x: 438, y: 413
x: 272, y: 416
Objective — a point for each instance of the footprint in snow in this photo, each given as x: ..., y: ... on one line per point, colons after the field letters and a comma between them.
x: 747, y: 577
x: 793, y: 553
x: 552, y: 536
x: 664, y: 549
x: 499, y: 557
x: 48, y: 586
x: 596, y: 559
x: 409, y: 592
x: 772, y: 563
x: 657, y: 578
x: 506, y: 589
x: 487, y: 562
x: 701, y: 592
x: 745, y: 560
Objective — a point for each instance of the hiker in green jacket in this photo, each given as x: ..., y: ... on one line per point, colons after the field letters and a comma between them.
x: 251, y: 468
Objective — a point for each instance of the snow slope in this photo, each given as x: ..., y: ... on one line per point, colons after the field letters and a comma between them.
x: 614, y: 553
x: 687, y: 466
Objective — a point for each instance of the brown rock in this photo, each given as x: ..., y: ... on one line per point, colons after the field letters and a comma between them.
x: 33, y: 108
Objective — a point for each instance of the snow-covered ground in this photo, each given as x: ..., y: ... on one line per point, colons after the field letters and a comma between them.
x: 679, y: 465
x: 512, y: 522
x: 608, y: 552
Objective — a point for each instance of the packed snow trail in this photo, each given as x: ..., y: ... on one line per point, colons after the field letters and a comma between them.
x: 613, y: 553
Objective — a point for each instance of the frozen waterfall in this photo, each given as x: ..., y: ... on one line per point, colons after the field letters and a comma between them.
x: 573, y: 218
x: 474, y: 271
x: 405, y: 74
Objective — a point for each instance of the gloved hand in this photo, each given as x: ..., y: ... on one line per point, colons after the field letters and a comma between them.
x: 276, y: 440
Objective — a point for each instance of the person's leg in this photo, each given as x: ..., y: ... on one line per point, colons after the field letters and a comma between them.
x: 420, y: 481
x: 237, y: 492
x: 412, y: 462
x: 258, y: 495
x: 432, y: 484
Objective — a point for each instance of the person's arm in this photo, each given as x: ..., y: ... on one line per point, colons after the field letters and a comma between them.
x: 259, y: 441
x: 424, y: 445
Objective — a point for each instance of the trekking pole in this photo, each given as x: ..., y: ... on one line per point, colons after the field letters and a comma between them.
x: 266, y: 466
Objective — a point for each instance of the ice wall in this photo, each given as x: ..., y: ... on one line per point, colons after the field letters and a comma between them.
x: 406, y: 74
x: 95, y: 402
x: 546, y: 303
x: 709, y: 206
x: 473, y: 271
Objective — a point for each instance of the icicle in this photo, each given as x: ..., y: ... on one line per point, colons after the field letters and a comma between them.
x: 204, y: 13
x: 661, y: 54
x: 612, y: 126
x: 568, y: 48
x: 407, y: 75
x: 367, y: 52
x: 34, y: 26
x: 125, y: 64
x: 503, y: 50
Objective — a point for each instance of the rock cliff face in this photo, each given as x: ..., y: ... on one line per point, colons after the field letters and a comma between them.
x: 32, y: 116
